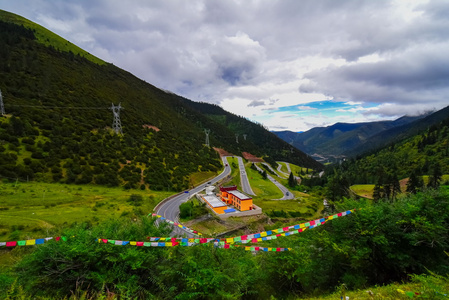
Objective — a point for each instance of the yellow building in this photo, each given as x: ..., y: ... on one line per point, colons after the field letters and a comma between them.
x: 230, y: 195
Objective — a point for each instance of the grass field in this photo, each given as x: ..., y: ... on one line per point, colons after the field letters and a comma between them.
x: 200, y: 177
x: 363, y: 190
x: 33, y: 210
x: 235, y: 174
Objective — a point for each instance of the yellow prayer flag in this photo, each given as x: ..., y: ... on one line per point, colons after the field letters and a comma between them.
x: 132, y: 243
x: 247, y: 248
x: 262, y: 234
x: 302, y: 225
x: 259, y: 239
x: 230, y: 240
x: 30, y: 242
x: 168, y: 244
x: 191, y: 240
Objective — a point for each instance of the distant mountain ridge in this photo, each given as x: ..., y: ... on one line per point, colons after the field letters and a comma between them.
x: 344, y: 139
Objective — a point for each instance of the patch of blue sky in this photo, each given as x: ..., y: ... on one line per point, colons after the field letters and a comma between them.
x: 325, y: 107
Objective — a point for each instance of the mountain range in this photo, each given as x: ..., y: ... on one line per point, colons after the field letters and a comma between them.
x: 353, y: 139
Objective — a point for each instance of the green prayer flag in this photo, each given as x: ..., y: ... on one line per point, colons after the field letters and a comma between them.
x: 21, y: 243
x: 410, y: 294
x: 111, y: 242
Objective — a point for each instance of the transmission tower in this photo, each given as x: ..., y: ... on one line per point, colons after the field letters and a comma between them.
x: 116, y: 124
x: 237, y: 138
x: 244, y: 136
x: 2, y: 107
x: 207, y: 131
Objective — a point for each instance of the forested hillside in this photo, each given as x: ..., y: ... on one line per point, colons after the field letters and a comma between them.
x: 58, y: 120
x: 425, y: 155
x: 342, y: 138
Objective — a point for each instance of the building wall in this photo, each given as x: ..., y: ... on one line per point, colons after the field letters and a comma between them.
x: 219, y: 210
x: 241, y: 205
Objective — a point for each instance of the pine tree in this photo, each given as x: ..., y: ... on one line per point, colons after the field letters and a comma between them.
x: 435, y: 178
x: 291, y: 180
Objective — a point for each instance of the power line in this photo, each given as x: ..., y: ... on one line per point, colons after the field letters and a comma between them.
x: 53, y: 107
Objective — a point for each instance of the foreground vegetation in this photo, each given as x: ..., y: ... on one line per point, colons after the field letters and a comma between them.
x: 382, y: 243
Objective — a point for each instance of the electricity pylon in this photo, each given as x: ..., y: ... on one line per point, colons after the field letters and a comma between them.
x: 207, y: 131
x: 116, y: 124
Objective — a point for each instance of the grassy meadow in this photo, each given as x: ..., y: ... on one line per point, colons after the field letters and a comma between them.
x: 34, y: 210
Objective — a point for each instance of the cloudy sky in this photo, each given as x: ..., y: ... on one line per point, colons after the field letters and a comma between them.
x: 289, y: 64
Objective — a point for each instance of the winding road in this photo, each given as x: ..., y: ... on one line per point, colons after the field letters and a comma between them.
x: 170, y: 208
x: 287, y: 195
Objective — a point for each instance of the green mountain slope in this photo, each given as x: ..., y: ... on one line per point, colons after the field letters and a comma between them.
x: 340, y: 138
x: 419, y: 154
x: 398, y: 133
x: 57, y: 99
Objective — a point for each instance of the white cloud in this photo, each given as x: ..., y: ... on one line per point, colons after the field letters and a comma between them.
x: 383, y: 58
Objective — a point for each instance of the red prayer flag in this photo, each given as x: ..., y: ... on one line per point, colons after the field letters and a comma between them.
x: 203, y: 240
x: 256, y: 248
x: 104, y: 241
x: 312, y: 222
x: 173, y: 240
x: 253, y: 240
x: 244, y: 237
x: 58, y: 238
x: 139, y: 243
x: 278, y: 249
x: 339, y: 214
x: 285, y: 228
x: 175, y: 244
x: 11, y: 244
x: 226, y: 246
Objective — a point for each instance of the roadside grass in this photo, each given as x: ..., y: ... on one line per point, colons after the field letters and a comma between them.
x: 363, y: 190
x: 235, y: 173
x: 283, y: 167
x: 263, y: 188
x: 200, y: 177
x: 34, y: 210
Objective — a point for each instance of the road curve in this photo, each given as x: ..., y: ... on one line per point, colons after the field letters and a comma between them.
x: 287, y: 194
x: 170, y: 209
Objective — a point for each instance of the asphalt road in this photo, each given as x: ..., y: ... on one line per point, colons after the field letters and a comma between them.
x: 170, y: 209
x: 287, y: 195
x: 246, y: 187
